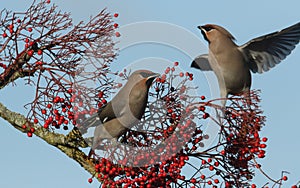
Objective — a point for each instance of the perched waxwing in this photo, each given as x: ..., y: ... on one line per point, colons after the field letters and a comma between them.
x: 123, y: 111
x: 232, y: 63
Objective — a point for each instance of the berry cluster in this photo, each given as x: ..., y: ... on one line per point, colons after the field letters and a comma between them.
x: 58, y: 113
x: 117, y: 34
x: 169, y: 140
x: 52, y: 54
x: 241, y: 137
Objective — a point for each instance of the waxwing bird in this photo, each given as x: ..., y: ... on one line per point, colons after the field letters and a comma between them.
x: 232, y: 63
x: 123, y: 111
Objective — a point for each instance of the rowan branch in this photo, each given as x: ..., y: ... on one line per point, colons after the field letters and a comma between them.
x: 68, y: 144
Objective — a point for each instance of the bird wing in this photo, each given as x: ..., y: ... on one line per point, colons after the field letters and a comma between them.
x: 107, y: 113
x: 201, y: 62
x: 103, y: 115
x: 264, y: 52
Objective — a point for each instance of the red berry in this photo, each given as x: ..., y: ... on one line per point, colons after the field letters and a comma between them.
x: 26, y: 40
x: 261, y: 155
x: 70, y: 90
x: 90, y: 180
x: 46, y: 126
x: 24, y: 126
x: 35, y: 120
x: 176, y: 63
x: 4, y: 35
x: 11, y: 31
x: 18, y: 20
x: 44, y: 111
x: 100, y: 94
x: 30, y: 52
x: 202, y: 97
x: 32, y: 130
x: 11, y: 26
x: 29, y: 134
x: 205, y: 115
x: 216, y: 163
x: 253, y: 186
x: 118, y: 34
x: 167, y: 70
x: 202, y: 108
x: 264, y: 139
x: 104, y: 101
x: 116, y: 15
x: 227, y: 184
x: 216, y: 181
x: 49, y: 105
x: 56, y: 99
x: 55, y: 111
x: 262, y: 145
x: 181, y: 74
x: 39, y: 63
x: 29, y: 29
x: 284, y: 178
x: 116, y: 25
x: 31, y: 43
x: 48, y: 1
x: 193, y: 180
x: 40, y: 52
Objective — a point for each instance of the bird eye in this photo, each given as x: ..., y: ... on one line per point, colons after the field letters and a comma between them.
x: 208, y: 28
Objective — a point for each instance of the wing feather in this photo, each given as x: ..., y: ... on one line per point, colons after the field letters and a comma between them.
x: 264, y: 52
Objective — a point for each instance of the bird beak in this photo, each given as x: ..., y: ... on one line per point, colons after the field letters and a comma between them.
x: 201, y: 28
x: 203, y: 32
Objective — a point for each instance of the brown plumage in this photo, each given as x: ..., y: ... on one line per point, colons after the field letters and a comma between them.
x: 232, y: 63
x: 124, y: 110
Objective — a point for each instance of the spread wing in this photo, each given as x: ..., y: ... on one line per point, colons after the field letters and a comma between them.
x: 264, y: 52
x: 201, y: 62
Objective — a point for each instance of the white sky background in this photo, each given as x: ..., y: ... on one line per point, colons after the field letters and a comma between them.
x: 31, y: 163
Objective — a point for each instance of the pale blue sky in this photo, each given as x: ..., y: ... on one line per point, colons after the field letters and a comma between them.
x: 31, y: 163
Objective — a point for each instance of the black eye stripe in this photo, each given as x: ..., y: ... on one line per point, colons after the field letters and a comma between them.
x: 208, y: 28
x: 146, y: 74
